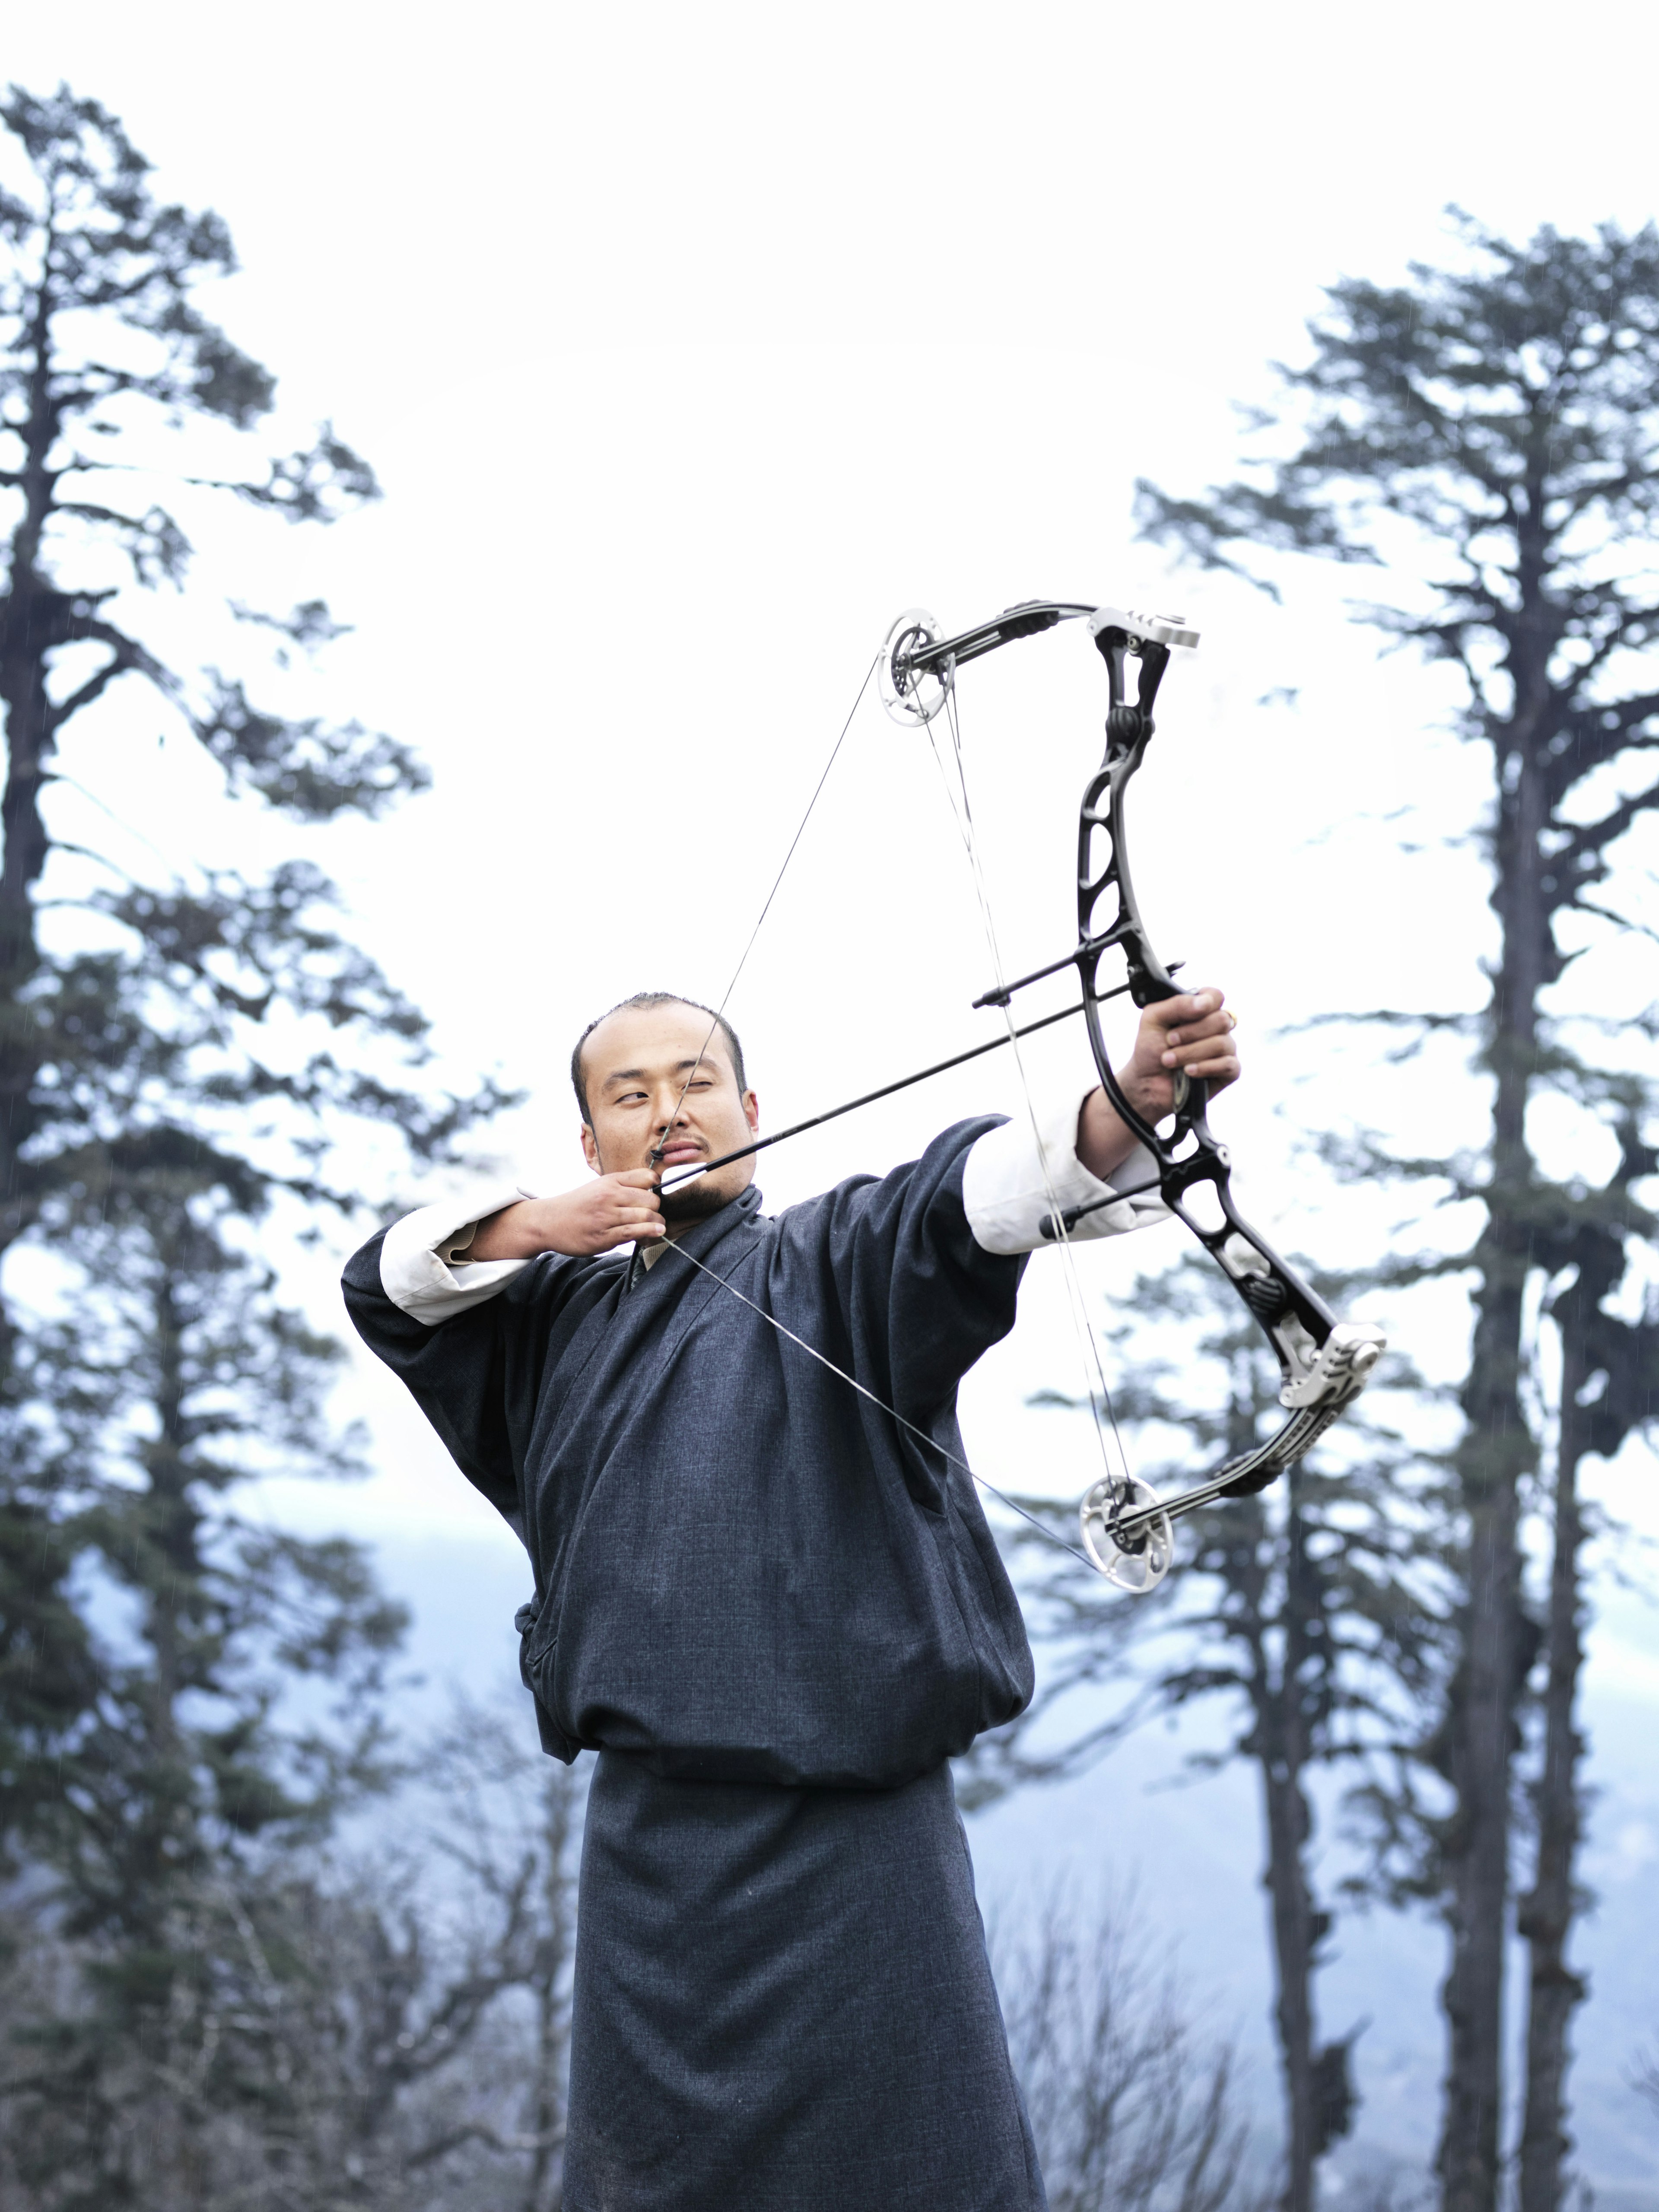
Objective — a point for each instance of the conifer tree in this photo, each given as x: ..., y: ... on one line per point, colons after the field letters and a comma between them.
x: 183, y: 1695
x: 1506, y: 411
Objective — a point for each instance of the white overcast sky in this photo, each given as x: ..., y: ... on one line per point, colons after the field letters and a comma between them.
x: 692, y: 345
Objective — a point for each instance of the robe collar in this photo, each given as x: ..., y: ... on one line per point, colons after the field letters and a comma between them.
x: 700, y: 1238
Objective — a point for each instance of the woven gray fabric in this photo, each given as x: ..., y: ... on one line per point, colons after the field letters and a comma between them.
x: 783, y: 2004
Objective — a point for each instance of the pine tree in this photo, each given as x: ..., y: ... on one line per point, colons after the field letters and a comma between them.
x: 1507, y: 411
x: 185, y: 1695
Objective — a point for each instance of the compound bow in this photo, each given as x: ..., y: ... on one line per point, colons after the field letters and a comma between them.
x: 1324, y: 1363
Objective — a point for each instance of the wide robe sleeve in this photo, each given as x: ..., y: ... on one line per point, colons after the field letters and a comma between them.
x: 927, y: 1259
x: 918, y: 1299
x: 471, y: 1341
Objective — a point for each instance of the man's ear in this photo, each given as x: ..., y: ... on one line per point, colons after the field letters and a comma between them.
x: 590, y: 1150
x: 751, y: 1112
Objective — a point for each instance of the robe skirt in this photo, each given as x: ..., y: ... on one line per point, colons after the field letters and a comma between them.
x: 783, y: 2004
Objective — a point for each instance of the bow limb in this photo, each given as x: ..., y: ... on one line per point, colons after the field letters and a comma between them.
x: 1324, y: 1363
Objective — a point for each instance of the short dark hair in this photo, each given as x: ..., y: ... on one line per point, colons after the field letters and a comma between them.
x: 654, y: 999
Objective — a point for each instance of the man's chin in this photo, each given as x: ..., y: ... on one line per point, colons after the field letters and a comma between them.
x: 693, y: 1201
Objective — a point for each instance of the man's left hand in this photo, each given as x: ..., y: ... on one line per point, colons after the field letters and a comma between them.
x: 1191, y: 1035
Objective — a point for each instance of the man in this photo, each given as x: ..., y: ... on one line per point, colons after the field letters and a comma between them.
x: 775, y: 1610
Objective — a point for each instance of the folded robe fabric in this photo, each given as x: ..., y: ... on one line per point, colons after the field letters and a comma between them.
x: 783, y: 2004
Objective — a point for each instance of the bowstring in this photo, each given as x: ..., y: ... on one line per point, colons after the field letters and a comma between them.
x: 1094, y: 1376
x: 800, y: 831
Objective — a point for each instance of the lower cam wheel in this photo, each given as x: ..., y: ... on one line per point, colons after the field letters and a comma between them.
x: 1137, y: 1563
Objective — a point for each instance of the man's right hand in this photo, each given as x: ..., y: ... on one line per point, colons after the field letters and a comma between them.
x: 611, y: 1210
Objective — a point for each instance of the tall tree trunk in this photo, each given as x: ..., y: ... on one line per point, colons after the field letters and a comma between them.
x: 1498, y: 1450
x: 32, y: 616
x: 169, y: 1550
x: 29, y: 630
x: 1547, y: 1913
x: 1280, y: 1692
x: 1481, y: 1722
x: 1295, y: 1935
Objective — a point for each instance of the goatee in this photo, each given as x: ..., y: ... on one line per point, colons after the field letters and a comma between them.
x: 692, y: 1201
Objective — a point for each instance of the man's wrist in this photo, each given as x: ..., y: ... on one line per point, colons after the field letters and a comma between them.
x: 1105, y: 1138
x: 519, y: 1231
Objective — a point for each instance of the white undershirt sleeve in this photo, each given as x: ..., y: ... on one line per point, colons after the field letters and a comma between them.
x: 421, y: 1269
x: 1008, y: 1197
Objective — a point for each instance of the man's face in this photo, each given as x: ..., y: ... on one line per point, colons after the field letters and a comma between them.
x: 655, y: 1077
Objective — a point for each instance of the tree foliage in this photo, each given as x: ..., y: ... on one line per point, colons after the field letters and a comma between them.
x: 379, y: 2030
x: 1133, y: 2108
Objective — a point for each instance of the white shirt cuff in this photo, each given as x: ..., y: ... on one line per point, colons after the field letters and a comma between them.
x: 1009, y: 1196
x: 420, y: 1269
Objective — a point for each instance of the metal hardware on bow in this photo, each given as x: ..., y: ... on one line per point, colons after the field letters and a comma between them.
x: 1324, y: 1363
x: 918, y: 667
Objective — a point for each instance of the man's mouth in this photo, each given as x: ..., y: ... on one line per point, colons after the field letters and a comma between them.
x: 679, y: 1152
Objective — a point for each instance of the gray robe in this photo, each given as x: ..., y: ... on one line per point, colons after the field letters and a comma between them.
x: 775, y: 1614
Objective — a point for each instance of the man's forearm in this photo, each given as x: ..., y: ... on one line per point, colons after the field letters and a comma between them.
x: 1105, y: 1141
x: 613, y: 1210
x: 517, y: 1232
